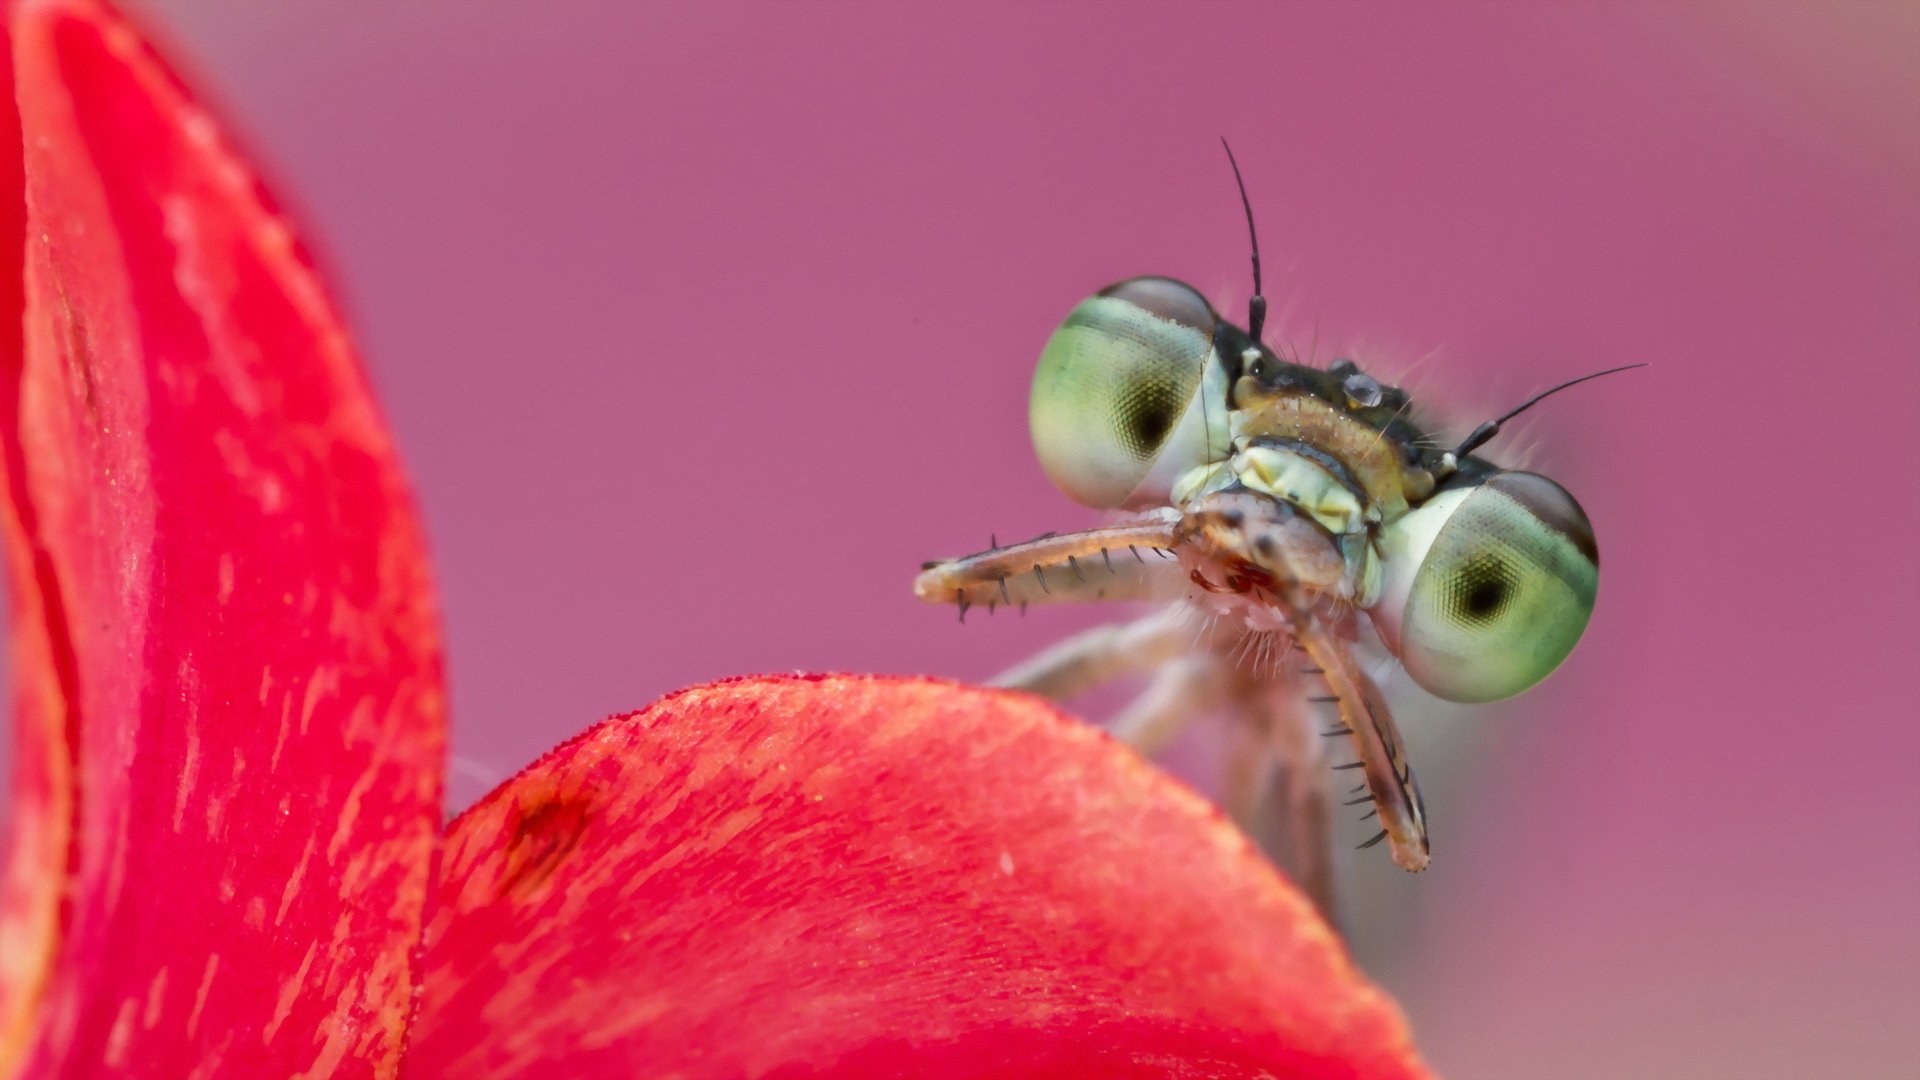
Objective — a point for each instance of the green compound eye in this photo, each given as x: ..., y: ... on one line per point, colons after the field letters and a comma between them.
x: 1124, y: 393
x: 1488, y: 588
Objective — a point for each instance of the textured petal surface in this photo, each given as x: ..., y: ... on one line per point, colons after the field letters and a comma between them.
x: 859, y: 876
x: 231, y: 742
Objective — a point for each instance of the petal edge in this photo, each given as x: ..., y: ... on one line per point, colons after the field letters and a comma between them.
x: 796, y: 875
x: 232, y: 663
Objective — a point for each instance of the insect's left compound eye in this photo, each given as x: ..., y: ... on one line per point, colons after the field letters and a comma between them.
x: 1488, y: 588
x: 1120, y: 400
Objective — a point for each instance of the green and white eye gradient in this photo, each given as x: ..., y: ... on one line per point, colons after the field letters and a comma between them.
x: 1125, y: 397
x: 1488, y: 588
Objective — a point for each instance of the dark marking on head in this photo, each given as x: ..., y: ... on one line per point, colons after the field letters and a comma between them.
x: 1166, y: 298
x: 1552, y: 505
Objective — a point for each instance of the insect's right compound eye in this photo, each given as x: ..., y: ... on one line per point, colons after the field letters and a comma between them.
x: 1126, y: 399
x: 1489, y: 587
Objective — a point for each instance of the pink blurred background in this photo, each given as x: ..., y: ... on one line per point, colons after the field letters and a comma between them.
x: 702, y: 325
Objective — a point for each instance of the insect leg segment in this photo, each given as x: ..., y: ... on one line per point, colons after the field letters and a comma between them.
x: 1282, y: 795
x: 1132, y: 560
x: 1185, y: 688
x: 1389, y: 774
x: 1099, y: 655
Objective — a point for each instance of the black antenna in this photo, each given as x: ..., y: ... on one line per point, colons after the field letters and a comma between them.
x: 1256, y: 307
x: 1491, y: 428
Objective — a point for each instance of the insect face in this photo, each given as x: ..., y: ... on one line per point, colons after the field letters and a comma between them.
x: 1281, y: 500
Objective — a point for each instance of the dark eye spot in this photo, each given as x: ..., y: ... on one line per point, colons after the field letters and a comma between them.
x: 1147, y: 413
x: 1482, y: 591
x: 1485, y: 599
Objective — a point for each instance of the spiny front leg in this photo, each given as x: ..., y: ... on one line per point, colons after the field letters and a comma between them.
x: 1371, y: 731
x: 1132, y: 560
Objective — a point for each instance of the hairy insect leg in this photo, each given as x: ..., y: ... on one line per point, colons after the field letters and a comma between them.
x: 1250, y: 770
x: 1278, y: 787
x: 1182, y: 690
x: 1375, y: 740
x: 1129, y: 560
x: 1303, y: 796
x: 1100, y: 655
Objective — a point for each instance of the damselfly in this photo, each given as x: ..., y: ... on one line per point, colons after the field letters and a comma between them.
x: 1276, y: 503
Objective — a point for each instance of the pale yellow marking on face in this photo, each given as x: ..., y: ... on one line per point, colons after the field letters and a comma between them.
x: 1301, y: 482
x: 1373, y: 460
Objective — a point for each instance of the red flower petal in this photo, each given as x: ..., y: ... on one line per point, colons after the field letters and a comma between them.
x: 784, y: 876
x: 230, y: 754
